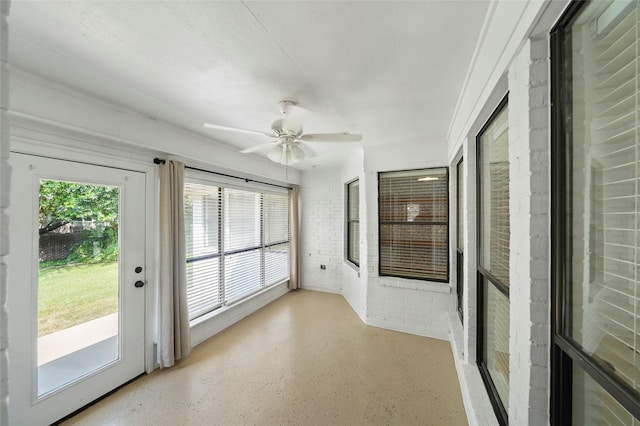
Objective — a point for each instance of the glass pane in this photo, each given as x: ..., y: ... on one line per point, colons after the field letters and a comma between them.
x: 354, y: 200
x: 78, y: 281
x: 603, y: 183
x: 494, y: 198
x: 354, y: 242
x: 496, y: 339
x: 242, y: 274
x: 592, y: 405
x: 201, y: 212
x: 416, y: 251
x: 414, y: 196
x: 242, y: 212
x: 203, y: 286
x: 276, y: 264
x: 413, y: 214
x: 276, y: 218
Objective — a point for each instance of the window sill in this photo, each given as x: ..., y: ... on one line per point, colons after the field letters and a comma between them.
x: 222, y: 309
x: 352, y: 266
x: 433, y: 287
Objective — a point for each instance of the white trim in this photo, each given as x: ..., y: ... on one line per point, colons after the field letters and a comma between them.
x: 474, y: 394
x: 321, y: 289
x: 65, y: 144
x: 418, y: 331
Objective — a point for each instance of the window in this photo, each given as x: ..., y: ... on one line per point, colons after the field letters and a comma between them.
x: 596, y: 220
x: 414, y: 224
x: 353, y: 222
x: 237, y: 243
x: 460, y: 229
x: 493, y: 264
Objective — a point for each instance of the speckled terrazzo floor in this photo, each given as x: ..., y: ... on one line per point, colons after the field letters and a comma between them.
x: 305, y: 359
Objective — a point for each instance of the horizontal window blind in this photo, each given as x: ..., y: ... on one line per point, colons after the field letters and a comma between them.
x: 414, y: 230
x: 605, y: 190
x: 202, y: 213
x: 237, y: 243
x: 276, y: 238
x: 242, y: 218
x: 495, y: 232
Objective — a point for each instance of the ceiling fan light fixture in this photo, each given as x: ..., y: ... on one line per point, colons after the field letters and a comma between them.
x: 286, y: 154
x: 275, y: 154
x: 297, y: 154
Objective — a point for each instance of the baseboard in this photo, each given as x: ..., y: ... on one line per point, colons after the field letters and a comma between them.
x: 321, y: 289
x: 434, y: 334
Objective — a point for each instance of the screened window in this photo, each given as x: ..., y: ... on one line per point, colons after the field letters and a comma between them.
x: 597, y: 221
x: 353, y: 222
x: 414, y: 224
x: 237, y: 243
x: 493, y: 267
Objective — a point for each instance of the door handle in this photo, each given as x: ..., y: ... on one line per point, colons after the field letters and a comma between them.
x: 139, y: 284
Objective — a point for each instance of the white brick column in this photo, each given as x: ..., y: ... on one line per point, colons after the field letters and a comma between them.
x: 5, y: 173
x: 529, y: 156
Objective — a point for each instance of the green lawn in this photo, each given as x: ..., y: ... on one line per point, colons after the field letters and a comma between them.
x: 72, y: 295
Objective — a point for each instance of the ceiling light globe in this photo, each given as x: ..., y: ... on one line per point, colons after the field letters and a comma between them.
x: 275, y: 154
x: 296, y: 154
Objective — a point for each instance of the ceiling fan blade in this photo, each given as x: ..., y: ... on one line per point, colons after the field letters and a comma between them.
x: 234, y: 129
x: 331, y: 137
x: 258, y: 147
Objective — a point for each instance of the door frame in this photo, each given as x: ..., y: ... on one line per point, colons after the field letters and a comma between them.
x: 52, y: 141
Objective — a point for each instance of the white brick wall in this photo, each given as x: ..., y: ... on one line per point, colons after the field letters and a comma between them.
x: 411, y: 306
x: 469, y: 303
x: 529, y: 156
x: 4, y: 203
x: 322, y: 230
x: 354, y: 280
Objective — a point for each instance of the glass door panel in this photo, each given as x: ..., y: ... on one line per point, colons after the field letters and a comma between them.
x: 78, y: 281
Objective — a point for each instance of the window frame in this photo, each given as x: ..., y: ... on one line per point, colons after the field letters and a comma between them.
x: 349, y: 221
x: 460, y: 185
x: 566, y: 354
x: 445, y: 223
x: 484, y: 277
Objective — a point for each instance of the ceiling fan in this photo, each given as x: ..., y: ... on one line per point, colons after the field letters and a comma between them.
x: 288, y: 136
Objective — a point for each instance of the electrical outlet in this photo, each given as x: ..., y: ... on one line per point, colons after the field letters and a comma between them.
x: 323, y: 266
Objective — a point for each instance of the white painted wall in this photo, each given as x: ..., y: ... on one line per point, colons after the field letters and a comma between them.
x: 354, y: 279
x: 322, y: 229
x: 5, y: 175
x: 412, y: 306
x: 42, y: 100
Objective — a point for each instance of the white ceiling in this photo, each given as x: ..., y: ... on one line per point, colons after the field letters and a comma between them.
x: 389, y: 70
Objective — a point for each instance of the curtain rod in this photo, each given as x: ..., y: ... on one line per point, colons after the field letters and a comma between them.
x: 161, y: 161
